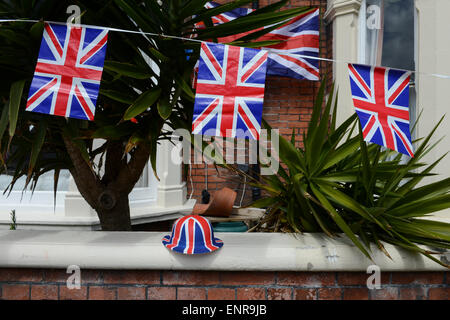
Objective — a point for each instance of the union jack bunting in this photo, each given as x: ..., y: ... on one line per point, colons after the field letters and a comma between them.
x: 230, y: 91
x: 68, y: 71
x: 300, y: 36
x: 192, y: 234
x: 225, y: 17
x: 381, y: 98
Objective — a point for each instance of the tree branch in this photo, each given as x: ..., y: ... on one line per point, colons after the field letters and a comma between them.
x: 115, y: 161
x: 131, y: 172
x: 87, y: 182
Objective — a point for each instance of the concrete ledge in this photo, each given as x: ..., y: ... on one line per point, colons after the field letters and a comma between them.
x: 139, y: 215
x: 241, y: 252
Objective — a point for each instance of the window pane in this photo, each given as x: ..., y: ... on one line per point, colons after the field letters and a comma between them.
x: 398, y: 35
x: 45, y: 182
x: 389, y: 33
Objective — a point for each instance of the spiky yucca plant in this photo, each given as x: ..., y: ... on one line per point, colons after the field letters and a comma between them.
x: 336, y: 183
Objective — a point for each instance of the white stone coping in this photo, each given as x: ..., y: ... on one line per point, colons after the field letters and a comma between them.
x: 49, y: 221
x: 241, y: 252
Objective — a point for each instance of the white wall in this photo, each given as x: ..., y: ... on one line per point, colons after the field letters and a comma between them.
x: 432, y: 56
x: 433, y: 43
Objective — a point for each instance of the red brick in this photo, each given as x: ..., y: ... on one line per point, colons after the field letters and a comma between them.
x: 279, y: 294
x: 413, y: 293
x: 251, y: 294
x: 61, y: 276
x: 102, y: 293
x: 90, y: 277
x: 56, y: 275
x: 72, y: 294
x: 330, y: 294
x: 359, y: 278
x: 305, y: 294
x: 131, y: 293
x: 221, y: 294
x: 417, y: 277
x: 44, y: 292
x: 161, y: 293
x: 191, y: 293
x: 439, y: 293
x: 15, y: 292
x: 132, y: 277
x: 190, y: 278
x: 289, y: 117
x: 356, y: 294
x: 390, y: 293
x: 20, y: 275
x: 309, y: 279
x: 247, y: 278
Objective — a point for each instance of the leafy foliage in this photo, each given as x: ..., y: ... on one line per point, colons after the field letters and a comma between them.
x: 146, y: 78
x: 336, y: 183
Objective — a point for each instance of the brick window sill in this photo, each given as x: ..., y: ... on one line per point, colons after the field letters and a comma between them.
x: 241, y: 252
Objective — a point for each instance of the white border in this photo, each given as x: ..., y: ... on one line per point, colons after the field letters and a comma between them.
x: 241, y: 252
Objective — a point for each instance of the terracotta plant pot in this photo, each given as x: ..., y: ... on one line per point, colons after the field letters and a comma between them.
x: 221, y: 204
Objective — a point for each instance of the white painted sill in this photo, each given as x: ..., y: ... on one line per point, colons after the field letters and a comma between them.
x: 241, y: 252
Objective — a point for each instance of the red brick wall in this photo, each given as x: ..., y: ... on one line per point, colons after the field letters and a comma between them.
x: 287, y: 106
x: 38, y: 284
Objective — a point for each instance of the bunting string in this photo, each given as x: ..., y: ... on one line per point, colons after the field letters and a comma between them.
x: 435, y: 75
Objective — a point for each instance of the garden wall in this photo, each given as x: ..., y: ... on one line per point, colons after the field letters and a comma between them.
x: 36, y: 284
x: 287, y: 106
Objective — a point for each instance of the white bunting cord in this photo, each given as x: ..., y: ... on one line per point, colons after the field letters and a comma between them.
x: 442, y: 76
x: 107, y: 28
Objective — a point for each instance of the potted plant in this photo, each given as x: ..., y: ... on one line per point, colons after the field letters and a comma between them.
x: 336, y: 183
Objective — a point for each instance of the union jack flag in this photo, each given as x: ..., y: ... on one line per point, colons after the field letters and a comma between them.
x: 225, y: 17
x: 230, y: 91
x: 192, y: 234
x: 300, y: 37
x: 68, y: 71
x: 381, y: 99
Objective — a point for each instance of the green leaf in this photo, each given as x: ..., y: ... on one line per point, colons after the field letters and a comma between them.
x: 129, y: 70
x: 208, y: 13
x: 15, y: 98
x: 318, y: 138
x: 164, y: 108
x: 422, y: 207
x: 157, y: 54
x: 341, y: 153
x: 145, y: 101
x: 288, y: 153
x: 339, y: 221
x: 38, y: 142
x: 190, y: 7
x: 134, y: 12
x: 349, y: 203
x: 4, y: 120
x: 185, y: 87
x: 248, y: 23
x: 55, y: 186
x: 37, y: 30
x: 264, y: 202
x: 426, y: 192
x: 117, y: 96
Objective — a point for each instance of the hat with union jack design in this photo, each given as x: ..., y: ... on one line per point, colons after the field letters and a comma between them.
x: 192, y: 234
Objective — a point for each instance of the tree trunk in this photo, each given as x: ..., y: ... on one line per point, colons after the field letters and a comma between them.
x: 114, y: 212
x: 109, y: 195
